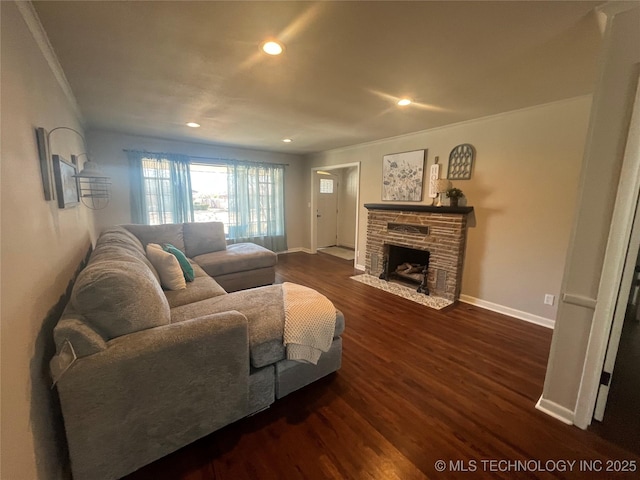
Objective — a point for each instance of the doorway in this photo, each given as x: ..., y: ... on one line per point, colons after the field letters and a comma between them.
x: 326, y: 189
x: 615, y: 289
x: 334, y: 209
x: 620, y: 423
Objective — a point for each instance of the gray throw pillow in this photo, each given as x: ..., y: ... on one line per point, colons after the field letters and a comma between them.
x: 119, y: 297
x: 203, y: 237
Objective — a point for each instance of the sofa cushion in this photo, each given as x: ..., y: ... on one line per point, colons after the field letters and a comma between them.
x: 259, y: 277
x: 197, y: 270
x: 239, y: 257
x: 108, y: 251
x: 187, y: 269
x: 120, y: 236
x: 339, y: 324
x: 118, y: 298
x: 167, y: 233
x: 264, y: 310
x: 201, y: 288
x: 168, y: 267
x: 204, y: 237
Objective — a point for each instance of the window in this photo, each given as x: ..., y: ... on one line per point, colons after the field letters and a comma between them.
x: 255, y: 204
x: 160, y: 188
x: 248, y: 198
x: 250, y: 211
x: 210, y: 198
x: 158, y: 191
x: 326, y: 185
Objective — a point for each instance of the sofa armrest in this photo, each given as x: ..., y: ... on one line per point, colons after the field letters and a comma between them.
x: 154, y: 391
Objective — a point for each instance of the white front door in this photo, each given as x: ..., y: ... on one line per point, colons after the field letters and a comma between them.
x: 327, y: 208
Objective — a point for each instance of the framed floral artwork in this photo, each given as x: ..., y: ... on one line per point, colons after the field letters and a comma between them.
x: 403, y: 176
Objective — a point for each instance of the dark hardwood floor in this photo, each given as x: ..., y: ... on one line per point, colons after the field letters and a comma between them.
x: 416, y: 386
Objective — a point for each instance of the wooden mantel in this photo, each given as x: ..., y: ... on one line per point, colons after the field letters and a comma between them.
x: 417, y: 208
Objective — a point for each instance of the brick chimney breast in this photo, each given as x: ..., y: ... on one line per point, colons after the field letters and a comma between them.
x: 445, y: 241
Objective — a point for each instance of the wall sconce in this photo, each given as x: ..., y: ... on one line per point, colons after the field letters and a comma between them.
x: 94, y: 188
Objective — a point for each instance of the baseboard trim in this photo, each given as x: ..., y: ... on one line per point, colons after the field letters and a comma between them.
x: 554, y: 410
x: 512, y: 312
x: 360, y: 267
x: 296, y: 250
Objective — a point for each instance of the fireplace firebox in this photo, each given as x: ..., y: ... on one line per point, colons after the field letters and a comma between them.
x: 408, y: 265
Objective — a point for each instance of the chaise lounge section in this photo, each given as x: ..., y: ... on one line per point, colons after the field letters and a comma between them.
x: 235, y: 267
x: 142, y: 371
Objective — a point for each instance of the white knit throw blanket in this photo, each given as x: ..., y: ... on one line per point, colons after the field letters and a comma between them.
x: 309, y: 323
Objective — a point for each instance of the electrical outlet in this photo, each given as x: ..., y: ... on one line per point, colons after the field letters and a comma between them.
x: 549, y: 299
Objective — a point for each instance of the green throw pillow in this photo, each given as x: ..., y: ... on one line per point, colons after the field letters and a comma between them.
x: 187, y: 269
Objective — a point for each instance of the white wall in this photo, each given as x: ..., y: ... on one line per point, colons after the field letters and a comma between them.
x: 523, y: 190
x: 107, y: 148
x: 42, y: 246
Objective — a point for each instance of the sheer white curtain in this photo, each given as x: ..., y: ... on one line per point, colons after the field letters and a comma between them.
x: 160, y: 188
x: 161, y: 192
x: 256, y: 204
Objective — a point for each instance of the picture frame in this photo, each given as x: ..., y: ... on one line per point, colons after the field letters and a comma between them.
x: 403, y: 176
x: 45, y: 165
x: 65, y: 182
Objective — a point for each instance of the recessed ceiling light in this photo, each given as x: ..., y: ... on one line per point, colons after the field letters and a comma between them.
x: 193, y: 124
x: 272, y: 47
x: 287, y: 140
x: 404, y: 102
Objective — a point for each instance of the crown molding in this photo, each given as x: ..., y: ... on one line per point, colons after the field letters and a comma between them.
x: 30, y: 16
x: 470, y: 121
x: 612, y: 8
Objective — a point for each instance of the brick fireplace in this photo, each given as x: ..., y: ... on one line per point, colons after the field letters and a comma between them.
x: 441, y: 231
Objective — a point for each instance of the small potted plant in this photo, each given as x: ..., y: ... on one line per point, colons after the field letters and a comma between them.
x: 454, y: 194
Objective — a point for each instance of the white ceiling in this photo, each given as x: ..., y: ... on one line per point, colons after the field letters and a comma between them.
x: 147, y: 68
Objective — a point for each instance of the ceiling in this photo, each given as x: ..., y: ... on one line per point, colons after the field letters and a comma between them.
x: 147, y: 68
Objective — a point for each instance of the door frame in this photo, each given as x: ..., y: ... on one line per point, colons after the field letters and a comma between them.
x: 619, y: 315
x: 314, y: 203
x: 337, y: 183
x: 618, y: 245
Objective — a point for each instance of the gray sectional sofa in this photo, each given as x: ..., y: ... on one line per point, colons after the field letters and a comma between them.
x: 234, y: 267
x: 142, y: 372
